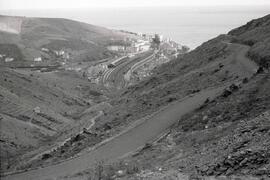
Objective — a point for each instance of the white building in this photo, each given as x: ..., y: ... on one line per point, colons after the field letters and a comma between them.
x: 38, y: 59
x: 59, y: 53
x: 142, y: 45
x: 116, y: 48
x: 44, y: 49
x: 145, y: 47
x: 37, y: 109
x: 9, y: 59
x: 132, y: 49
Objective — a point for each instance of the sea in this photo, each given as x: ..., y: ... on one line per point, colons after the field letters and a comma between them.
x: 190, y: 26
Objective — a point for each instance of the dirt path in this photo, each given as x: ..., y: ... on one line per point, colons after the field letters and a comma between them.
x: 123, y: 144
x: 245, y: 66
x: 242, y: 65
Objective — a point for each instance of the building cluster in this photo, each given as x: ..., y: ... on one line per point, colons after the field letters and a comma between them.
x: 150, y: 37
x: 62, y: 54
x: 58, y: 53
x: 133, y: 47
x: 141, y: 45
x: 145, y: 42
x: 116, y: 48
x: 170, y: 47
x: 10, y: 59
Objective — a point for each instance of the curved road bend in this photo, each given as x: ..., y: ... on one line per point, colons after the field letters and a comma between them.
x: 246, y: 66
x: 242, y: 66
x: 125, y: 143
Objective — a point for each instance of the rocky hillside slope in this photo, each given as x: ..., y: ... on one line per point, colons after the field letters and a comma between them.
x: 229, y: 135
x: 226, y: 136
x: 41, y: 109
x: 25, y: 39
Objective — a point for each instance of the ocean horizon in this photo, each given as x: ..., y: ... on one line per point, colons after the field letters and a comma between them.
x: 189, y: 26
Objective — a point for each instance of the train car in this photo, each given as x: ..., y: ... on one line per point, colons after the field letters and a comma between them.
x: 117, y: 62
x: 111, y: 65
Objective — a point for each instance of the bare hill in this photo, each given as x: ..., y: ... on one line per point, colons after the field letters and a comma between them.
x: 226, y: 136
x: 31, y: 113
x: 42, y: 37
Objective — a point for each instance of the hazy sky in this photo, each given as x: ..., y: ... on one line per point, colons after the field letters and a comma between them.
x: 66, y: 4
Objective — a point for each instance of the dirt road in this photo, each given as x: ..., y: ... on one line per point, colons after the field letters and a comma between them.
x: 124, y: 143
x: 242, y: 64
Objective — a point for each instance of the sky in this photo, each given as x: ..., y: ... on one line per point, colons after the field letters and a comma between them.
x: 71, y: 4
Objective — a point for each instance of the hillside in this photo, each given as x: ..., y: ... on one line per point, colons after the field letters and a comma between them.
x: 227, y: 136
x: 48, y: 117
x: 48, y: 104
x: 30, y: 38
x: 39, y: 110
x: 211, y: 64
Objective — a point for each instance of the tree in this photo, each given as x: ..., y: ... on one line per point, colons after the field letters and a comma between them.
x: 156, y: 41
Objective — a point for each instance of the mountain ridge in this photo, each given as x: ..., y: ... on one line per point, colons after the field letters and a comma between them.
x: 84, y: 42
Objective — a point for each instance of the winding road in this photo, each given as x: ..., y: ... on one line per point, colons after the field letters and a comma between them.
x: 123, y: 144
x: 137, y: 136
x: 241, y: 63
